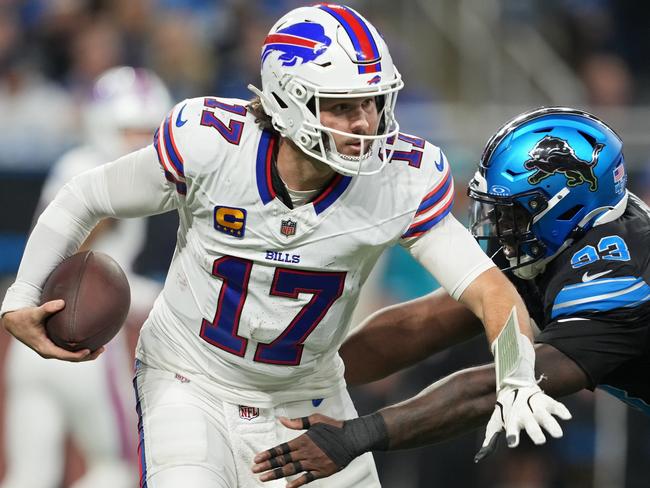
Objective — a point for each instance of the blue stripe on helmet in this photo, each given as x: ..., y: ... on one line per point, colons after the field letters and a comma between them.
x: 351, y: 33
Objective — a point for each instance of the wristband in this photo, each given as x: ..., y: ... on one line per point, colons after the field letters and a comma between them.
x: 357, y: 436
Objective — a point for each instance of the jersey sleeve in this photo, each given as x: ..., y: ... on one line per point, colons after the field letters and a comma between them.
x: 437, y: 201
x: 195, y: 134
x: 597, y: 307
x: 167, y: 142
x: 451, y: 255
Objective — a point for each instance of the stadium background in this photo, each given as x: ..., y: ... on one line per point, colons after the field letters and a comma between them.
x: 469, y: 65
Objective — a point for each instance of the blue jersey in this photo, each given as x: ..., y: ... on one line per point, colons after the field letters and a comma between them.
x: 593, y: 303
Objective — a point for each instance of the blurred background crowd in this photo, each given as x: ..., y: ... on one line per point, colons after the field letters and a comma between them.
x: 469, y: 65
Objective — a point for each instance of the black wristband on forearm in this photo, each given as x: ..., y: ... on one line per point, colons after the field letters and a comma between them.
x: 342, y: 445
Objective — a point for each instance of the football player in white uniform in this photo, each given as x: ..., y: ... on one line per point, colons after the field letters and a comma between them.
x: 285, y: 204
x: 92, y: 401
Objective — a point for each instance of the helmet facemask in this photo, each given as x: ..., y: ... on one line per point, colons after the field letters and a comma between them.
x: 317, y: 140
x: 506, y: 224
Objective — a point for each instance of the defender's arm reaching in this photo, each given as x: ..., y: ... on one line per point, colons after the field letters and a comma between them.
x: 459, y: 403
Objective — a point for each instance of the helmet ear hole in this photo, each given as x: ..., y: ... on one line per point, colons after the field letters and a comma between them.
x: 279, y: 100
x: 572, y: 212
x: 311, y: 105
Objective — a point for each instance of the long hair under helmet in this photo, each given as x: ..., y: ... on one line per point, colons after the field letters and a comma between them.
x: 328, y: 51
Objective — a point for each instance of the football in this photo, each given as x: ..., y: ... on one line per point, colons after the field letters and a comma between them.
x: 97, y: 299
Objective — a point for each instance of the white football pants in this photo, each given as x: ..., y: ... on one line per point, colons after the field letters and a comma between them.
x: 188, y: 437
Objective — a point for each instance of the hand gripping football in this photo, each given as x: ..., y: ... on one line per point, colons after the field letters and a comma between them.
x: 97, y: 299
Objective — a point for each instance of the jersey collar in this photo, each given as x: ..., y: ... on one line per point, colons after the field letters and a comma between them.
x: 265, y: 168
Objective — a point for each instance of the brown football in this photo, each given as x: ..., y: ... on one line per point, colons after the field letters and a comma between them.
x: 97, y: 299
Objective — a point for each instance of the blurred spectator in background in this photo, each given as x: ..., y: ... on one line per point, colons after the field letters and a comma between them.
x: 95, y: 48
x: 607, y: 80
x: 29, y: 105
x: 180, y: 56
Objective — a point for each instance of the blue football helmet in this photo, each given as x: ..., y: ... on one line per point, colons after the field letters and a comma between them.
x: 544, y: 179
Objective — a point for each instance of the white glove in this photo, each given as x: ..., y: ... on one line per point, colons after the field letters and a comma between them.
x: 520, y: 408
x: 521, y: 404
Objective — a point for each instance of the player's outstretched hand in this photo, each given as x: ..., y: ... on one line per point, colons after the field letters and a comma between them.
x: 302, y: 454
x: 28, y: 326
x: 527, y: 408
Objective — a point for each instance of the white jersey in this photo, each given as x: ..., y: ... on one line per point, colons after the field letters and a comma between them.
x: 259, y: 296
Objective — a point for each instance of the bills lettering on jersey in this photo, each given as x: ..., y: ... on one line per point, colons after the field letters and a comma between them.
x: 282, y: 257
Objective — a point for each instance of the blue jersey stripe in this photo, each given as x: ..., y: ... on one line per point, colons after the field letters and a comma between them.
x: 436, y: 197
x: 428, y: 224
x: 639, y: 302
x: 320, y: 205
x: 174, y: 157
x: 621, y: 282
x: 623, y: 395
x: 266, y: 192
x: 600, y: 296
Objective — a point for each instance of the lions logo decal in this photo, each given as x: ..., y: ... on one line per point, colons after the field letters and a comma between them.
x: 554, y: 155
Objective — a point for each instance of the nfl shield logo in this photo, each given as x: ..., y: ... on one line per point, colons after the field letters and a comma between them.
x: 248, y: 413
x: 288, y: 227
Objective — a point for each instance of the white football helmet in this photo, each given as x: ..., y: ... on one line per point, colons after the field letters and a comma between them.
x: 328, y: 51
x: 124, y: 99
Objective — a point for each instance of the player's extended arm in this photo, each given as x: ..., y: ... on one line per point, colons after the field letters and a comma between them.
x: 491, y: 297
x: 454, y: 405
x: 452, y: 255
x: 521, y: 404
x: 131, y: 186
x: 399, y: 336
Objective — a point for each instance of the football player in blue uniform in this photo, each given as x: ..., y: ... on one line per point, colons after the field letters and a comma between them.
x: 550, y: 198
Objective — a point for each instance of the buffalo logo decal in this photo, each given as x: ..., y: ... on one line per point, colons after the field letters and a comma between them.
x: 297, y: 43
x: 554, y: 155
